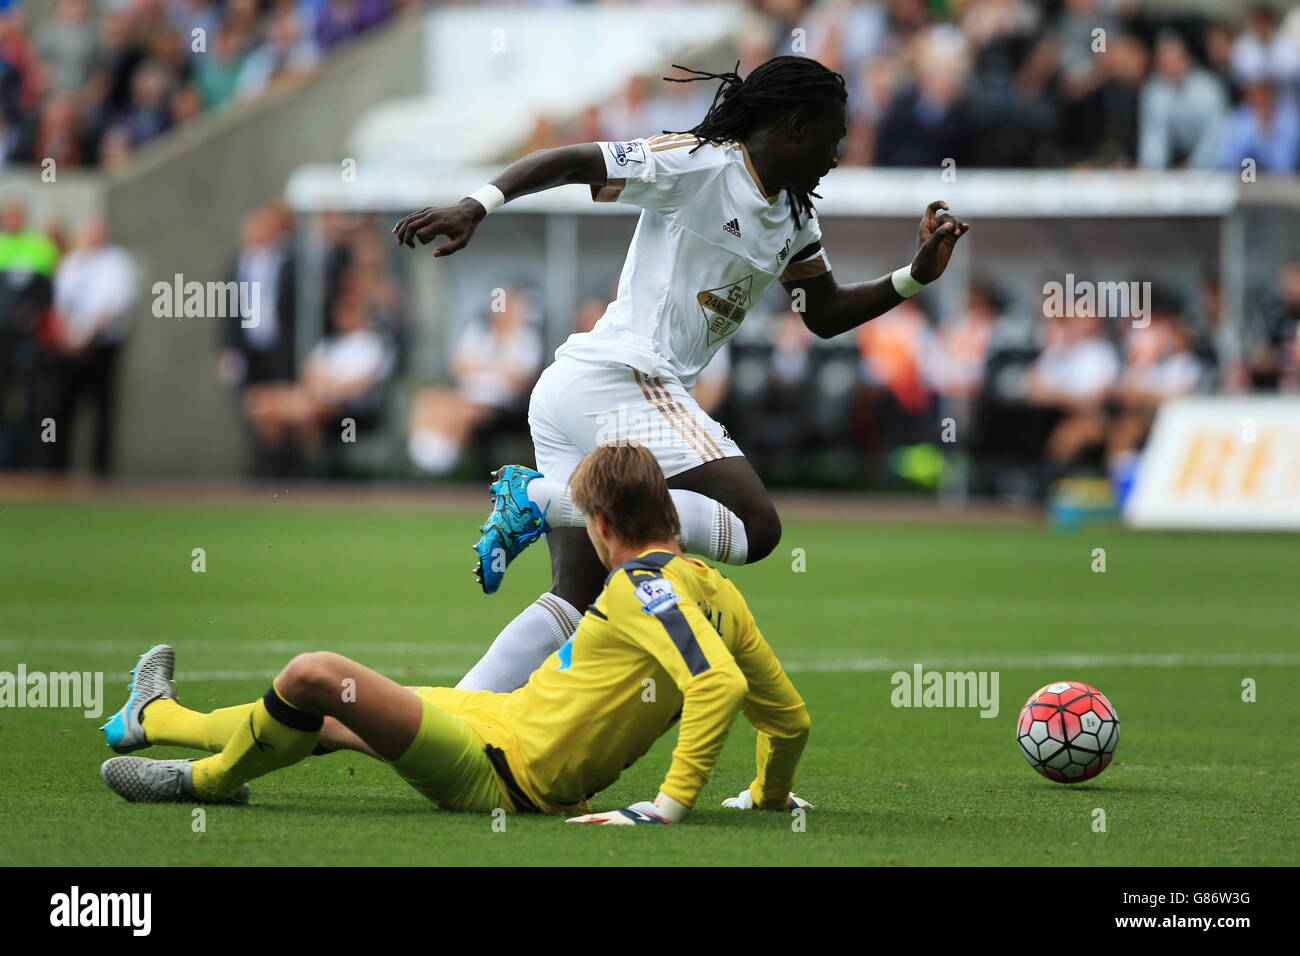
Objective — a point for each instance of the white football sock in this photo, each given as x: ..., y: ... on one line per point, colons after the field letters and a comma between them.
x: 553, y: 498
x: 709, y: 528
x: 535, y: 634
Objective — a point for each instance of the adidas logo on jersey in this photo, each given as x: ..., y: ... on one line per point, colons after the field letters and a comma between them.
x: 732, y: 227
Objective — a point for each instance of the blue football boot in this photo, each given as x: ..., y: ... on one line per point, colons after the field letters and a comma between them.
x: 514, y: 524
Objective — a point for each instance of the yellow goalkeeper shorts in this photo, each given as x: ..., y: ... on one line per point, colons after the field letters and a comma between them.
x: 448, y: 763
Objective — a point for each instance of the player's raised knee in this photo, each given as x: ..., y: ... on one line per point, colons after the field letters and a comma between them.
x: 308, y: 674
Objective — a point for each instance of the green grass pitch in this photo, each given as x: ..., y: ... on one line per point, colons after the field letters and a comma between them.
x: 1168, y: 632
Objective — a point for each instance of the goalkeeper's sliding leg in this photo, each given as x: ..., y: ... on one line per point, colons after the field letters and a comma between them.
x: 438, y: 753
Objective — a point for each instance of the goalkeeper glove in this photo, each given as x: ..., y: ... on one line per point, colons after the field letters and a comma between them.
x: 664, y: 809
x: 745, y: 801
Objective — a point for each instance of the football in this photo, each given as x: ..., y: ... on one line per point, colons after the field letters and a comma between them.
x: 1068, y: 731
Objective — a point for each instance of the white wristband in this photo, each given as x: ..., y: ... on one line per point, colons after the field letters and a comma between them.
x: 904, y: 284
x: 489, y: 197
x: 670, y: 809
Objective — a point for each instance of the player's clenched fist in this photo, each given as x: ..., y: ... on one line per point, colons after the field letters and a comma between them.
x: 745, y: 801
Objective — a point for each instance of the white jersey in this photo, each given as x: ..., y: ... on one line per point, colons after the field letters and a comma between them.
x: 709, y: 243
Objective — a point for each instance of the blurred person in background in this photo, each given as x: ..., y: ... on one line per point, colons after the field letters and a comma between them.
x: 95, y: 289
x: 1263, y: 52
x: 259, y: 350
x: 148, y: 116
x: 1181, y: 112
x: 1265, y: 127
x: 1274, y: 355
x: 893, y: 348
x: 955, y: 362
x: 217, y: 73
x: 340, y: 377
x: 493, y: 366
x: 1104, y: 117
x: 1072, y: 379
x: 338, y: 21
x: 287, y: 56
x: 28, y: 259
x: 926, y: 123
x: 1160, y: 363
x: 66, y: 45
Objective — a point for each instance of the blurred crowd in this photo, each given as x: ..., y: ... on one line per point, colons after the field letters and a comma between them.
x: 101, y: 77
x: 1015, y: 83
x: 66, y: 306
x: 1018, y: 395
x: 1016, y: 392
x: 996, y: 83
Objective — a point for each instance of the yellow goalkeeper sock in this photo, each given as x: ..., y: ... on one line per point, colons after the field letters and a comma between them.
x: 168, y: 724
x: 275, y: 734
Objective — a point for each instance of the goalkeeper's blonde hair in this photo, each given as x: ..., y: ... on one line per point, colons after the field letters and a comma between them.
x: 624, y: 484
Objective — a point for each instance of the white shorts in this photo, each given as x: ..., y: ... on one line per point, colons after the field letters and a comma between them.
x: 576, y: 406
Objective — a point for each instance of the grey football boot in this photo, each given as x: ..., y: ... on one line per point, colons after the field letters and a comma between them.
x: 151, y: 678
x: 141, y: 780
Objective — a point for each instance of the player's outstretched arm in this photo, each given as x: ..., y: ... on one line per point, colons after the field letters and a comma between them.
x: 544, y: 169
x: 829, y: 309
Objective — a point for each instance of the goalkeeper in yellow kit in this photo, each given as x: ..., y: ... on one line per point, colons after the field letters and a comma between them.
x: 669, y: 640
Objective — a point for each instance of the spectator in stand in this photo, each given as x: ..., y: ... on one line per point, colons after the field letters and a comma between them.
x: 1181, y: 111
x: 955, y: 363
x: 217, y: 74
x: 67, y: 46
x: 95, y: 289
x: 22, y: 76
x: 1160, y: 364
x: 493, y: 365
x: 1274, y: 354
x: 1264, y: 128
x: 926, y: 123
x: 1104, y: 116
x: 339, y: 21
x: 340, y: 374
x: 57, y: 136
x: 259, y: 349
x: 28, y: 258
x: 893, y: 350
x: 287, y: 56
x: 1263, y: 52
x: 149, y: 115
x: 1073, y: 377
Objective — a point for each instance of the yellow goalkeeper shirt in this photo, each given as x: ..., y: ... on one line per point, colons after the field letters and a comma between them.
x: 668, y: 639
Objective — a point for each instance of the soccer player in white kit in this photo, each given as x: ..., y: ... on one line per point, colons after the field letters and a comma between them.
x: 726, y: 211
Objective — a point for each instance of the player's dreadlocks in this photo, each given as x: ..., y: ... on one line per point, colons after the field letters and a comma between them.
x: 771, y: 92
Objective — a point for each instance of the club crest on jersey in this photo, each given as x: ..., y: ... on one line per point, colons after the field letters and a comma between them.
x: 656, y: 594
x: 625, y: 153
x: 725, y: 307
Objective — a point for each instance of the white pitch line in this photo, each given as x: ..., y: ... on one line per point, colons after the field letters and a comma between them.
x: 890, y: 664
